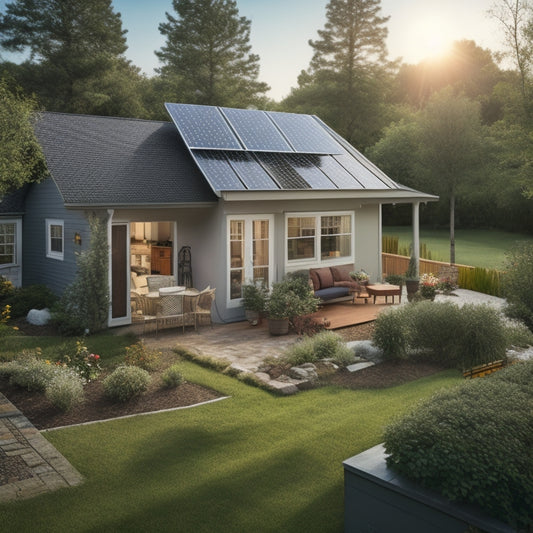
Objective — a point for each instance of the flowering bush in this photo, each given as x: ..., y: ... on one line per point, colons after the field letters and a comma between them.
x: 86, y: 364
x: 5, y: 315
x: 138, y: 355
x: 6, y: 287
x: 428, y: 286
x: 360, y: 275
x: 446, y: 285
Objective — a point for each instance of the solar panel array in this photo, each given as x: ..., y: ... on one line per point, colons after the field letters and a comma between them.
x: 243, y: 149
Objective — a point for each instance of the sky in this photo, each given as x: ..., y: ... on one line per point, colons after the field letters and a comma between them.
x: 281, y: 30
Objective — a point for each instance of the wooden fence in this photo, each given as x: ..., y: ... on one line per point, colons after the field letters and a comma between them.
x: 397, y: 264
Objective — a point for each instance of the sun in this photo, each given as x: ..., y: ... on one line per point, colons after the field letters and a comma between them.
x: 431, y: 37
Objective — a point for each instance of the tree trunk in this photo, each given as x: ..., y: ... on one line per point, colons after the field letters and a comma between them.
x: 452, y: 229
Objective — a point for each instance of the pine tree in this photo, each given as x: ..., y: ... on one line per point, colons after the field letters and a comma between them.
x: 349, y: 72
x: 70, y: 43
x: 207, y: 54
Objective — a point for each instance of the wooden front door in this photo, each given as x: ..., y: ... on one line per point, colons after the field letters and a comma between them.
x: 119, y: 270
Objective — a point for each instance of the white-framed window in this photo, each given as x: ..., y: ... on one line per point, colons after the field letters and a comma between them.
x: 317, y: 238
x: 10, y: 236
x: 55, y: 238
x: 250, y: 253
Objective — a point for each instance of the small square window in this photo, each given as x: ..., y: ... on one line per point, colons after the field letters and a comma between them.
x: 55, y: 239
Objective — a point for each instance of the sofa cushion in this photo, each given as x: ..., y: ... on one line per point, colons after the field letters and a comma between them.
x: 342, y: 272
x: 331, y: 293
x: 325, y: 276
x: 314, y: 279
x: 348, y: 284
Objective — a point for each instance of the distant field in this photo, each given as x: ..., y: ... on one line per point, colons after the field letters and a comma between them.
x: 481, y: 248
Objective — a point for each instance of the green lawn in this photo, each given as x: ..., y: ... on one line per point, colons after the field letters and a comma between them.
x: 254, y: 462
x: 481, y: 248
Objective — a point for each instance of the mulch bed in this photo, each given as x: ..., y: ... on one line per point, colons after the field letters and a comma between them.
x: 43, y: 415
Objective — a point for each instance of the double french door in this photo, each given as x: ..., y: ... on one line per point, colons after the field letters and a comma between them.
x: 250, y: 253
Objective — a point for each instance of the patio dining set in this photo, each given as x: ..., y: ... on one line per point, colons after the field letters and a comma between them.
x: 166, y: 304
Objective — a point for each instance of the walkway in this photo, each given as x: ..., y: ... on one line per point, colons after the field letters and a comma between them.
x: 29, y: 464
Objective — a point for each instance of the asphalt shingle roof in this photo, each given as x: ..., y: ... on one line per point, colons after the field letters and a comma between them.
x: 116, y: 161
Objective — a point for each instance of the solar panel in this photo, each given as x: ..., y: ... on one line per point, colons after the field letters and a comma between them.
x: 255, y: 130
x: 305, y: 166
x: 252, y: 174
x: 336, y: 172
x: 281, y: 170
x: 217, y: 170
x: 305, y: 134
x: 203, y: 127
x: 360, y: 172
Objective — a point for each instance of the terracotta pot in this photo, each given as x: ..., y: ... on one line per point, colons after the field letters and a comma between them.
x: 254, y: 317
x: 278, y: 326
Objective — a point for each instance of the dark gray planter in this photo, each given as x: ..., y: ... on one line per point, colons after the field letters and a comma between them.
x: 378, y: 500
x: 278, y: 326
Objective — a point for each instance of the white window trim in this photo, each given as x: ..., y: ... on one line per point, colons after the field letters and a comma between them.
x: 18, y: 241
x: 49, y: 252
x: 317, y: 260
x: 237, y: 302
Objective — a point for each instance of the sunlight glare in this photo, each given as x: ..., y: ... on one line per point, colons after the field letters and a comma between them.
x: 432, y: 37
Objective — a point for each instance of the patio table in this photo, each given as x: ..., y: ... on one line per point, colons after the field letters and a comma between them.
x: 383, y: 289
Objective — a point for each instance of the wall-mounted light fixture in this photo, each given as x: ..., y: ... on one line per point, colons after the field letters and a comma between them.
x: 77, y: 238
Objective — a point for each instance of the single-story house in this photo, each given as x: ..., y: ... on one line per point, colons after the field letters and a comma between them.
x: 242, y: 194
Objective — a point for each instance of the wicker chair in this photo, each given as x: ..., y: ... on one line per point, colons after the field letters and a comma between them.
x: 170, y: 311
x: 190, y: 306
x: 203, y: 308
x: 156, y: 282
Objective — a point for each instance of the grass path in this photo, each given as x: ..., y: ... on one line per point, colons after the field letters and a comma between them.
x: 482, y: 248
x: 254, y: 462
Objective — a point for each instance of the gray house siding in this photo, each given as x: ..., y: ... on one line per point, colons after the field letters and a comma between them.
x: 44, y: 202
x: 366, y: 239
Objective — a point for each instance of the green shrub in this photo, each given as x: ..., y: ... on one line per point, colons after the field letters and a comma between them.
x: 22, y: 299
x: 126, y: 382
x: 391, y: 334
x: 215, y: 363
x: 139, y: 355
x: 518, y: 283
x: 65, y: 390
x: 518, y: 334
x: 32, y: 374
x: 450, y: 335
x: 172, y: 376
x: 300, y: 352
x: 473, y: 444
x: 520, y: 373
x: 324, y: 345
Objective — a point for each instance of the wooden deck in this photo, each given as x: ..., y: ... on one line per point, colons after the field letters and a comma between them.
x: 346, y: 314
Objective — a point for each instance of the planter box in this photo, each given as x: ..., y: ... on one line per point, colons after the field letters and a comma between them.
x: 378, y: 500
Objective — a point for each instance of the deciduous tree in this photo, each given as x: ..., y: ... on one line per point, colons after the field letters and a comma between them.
x: 21, y: 158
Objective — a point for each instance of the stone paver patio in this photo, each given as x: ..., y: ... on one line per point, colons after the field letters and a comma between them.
x: 30, y: 465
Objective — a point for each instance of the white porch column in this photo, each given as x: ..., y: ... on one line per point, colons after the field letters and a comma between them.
x: 416, y: 235
x: 380, y: 245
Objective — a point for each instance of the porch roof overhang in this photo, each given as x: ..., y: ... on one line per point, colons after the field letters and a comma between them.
x: 387, y: 196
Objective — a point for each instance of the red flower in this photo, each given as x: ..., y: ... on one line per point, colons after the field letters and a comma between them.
x: 95, y: 356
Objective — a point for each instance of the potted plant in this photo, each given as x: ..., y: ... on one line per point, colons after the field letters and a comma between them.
x: 253, y: 299
x: 411, y: 278
x: 360, y: 276
x: 290, y: 298
x: 428, y: 286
